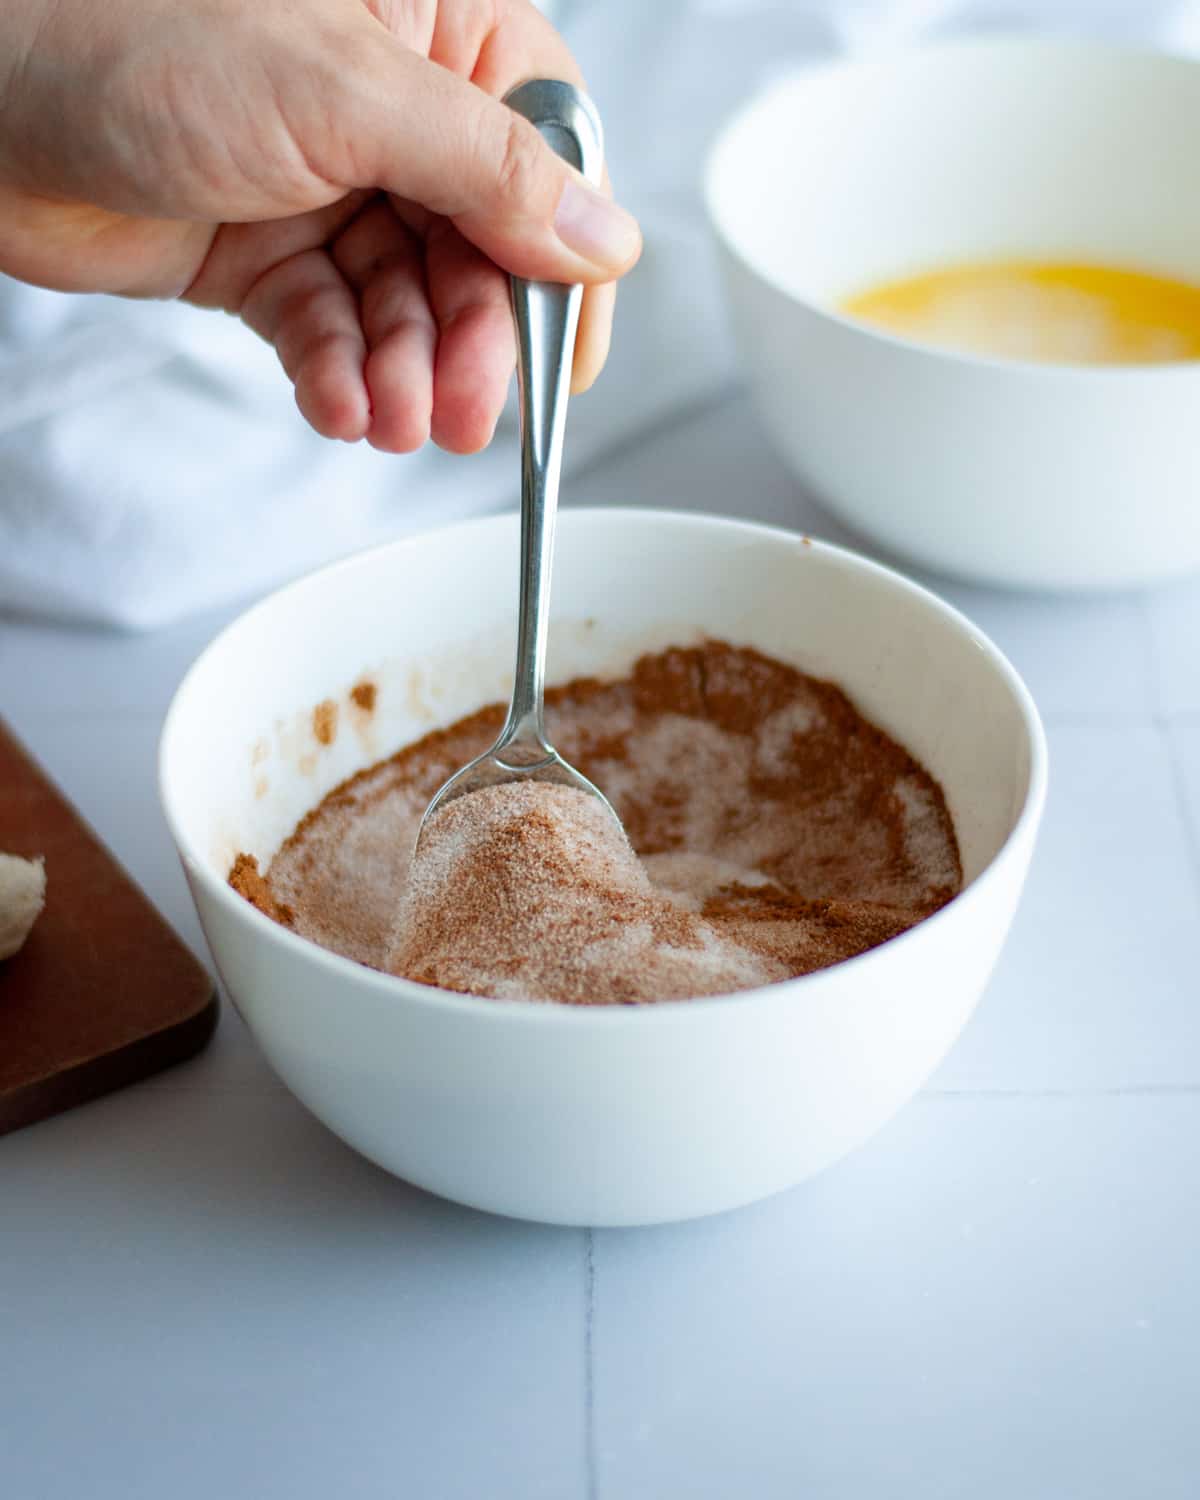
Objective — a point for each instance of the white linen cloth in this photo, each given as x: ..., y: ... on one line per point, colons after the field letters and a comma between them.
x: 152, y: 461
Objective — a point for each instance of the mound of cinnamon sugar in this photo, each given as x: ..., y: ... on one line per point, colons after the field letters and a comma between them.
x: 777, y: 831
x: 529, y: 891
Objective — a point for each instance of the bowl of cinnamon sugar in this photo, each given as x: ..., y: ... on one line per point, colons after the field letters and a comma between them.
x: 830, y: 783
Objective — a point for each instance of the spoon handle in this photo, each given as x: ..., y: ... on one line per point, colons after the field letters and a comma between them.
x: 547, y: 317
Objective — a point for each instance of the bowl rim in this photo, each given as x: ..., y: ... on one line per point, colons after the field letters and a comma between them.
x: 390, y: 988
x: 825, y: 67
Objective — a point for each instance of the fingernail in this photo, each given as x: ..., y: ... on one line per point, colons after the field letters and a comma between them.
x: 593, y: 226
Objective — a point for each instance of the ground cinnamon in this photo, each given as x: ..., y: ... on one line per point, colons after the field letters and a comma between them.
x: 778, y: 832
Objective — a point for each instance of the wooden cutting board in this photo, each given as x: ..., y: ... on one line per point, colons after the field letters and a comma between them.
x: 103, y: 992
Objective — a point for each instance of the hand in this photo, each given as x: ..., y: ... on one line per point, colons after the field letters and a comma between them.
x: 338, y: 173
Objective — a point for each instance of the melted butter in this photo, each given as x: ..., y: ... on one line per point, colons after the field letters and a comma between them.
x: 1056, y: 312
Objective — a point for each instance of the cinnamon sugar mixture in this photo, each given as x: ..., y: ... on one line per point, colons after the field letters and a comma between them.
x: 776, y: 831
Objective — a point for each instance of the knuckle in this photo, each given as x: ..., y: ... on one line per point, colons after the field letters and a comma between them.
x: 521, y: 177
x: 310, y: 308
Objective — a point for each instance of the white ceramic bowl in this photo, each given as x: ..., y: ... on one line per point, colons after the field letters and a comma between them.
x: 607, y: 1115
x: 1039, y: 476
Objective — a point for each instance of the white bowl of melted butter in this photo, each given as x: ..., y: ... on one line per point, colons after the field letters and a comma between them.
x: 965, y: 282
x: 608, y: 1113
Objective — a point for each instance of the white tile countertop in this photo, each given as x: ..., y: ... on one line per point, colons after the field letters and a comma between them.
x: 203, y: 1293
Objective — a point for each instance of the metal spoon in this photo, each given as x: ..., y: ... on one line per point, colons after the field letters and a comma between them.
x: 547, y: 316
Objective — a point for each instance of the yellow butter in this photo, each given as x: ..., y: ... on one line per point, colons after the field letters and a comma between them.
x: 1064, y: 312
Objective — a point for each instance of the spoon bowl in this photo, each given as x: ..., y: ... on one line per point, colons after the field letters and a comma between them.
x: 547, y: 318
x: 503, y: 763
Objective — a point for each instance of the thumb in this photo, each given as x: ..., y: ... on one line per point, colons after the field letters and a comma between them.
x: 442, y: 142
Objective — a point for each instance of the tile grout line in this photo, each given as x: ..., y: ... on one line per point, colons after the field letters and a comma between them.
x: 1162, y: 723
x: 591, y: 1481
x: 1149, y: 656
x: 1189, y: 829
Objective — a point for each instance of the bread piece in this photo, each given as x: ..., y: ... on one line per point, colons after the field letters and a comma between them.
x: 22, y: 896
